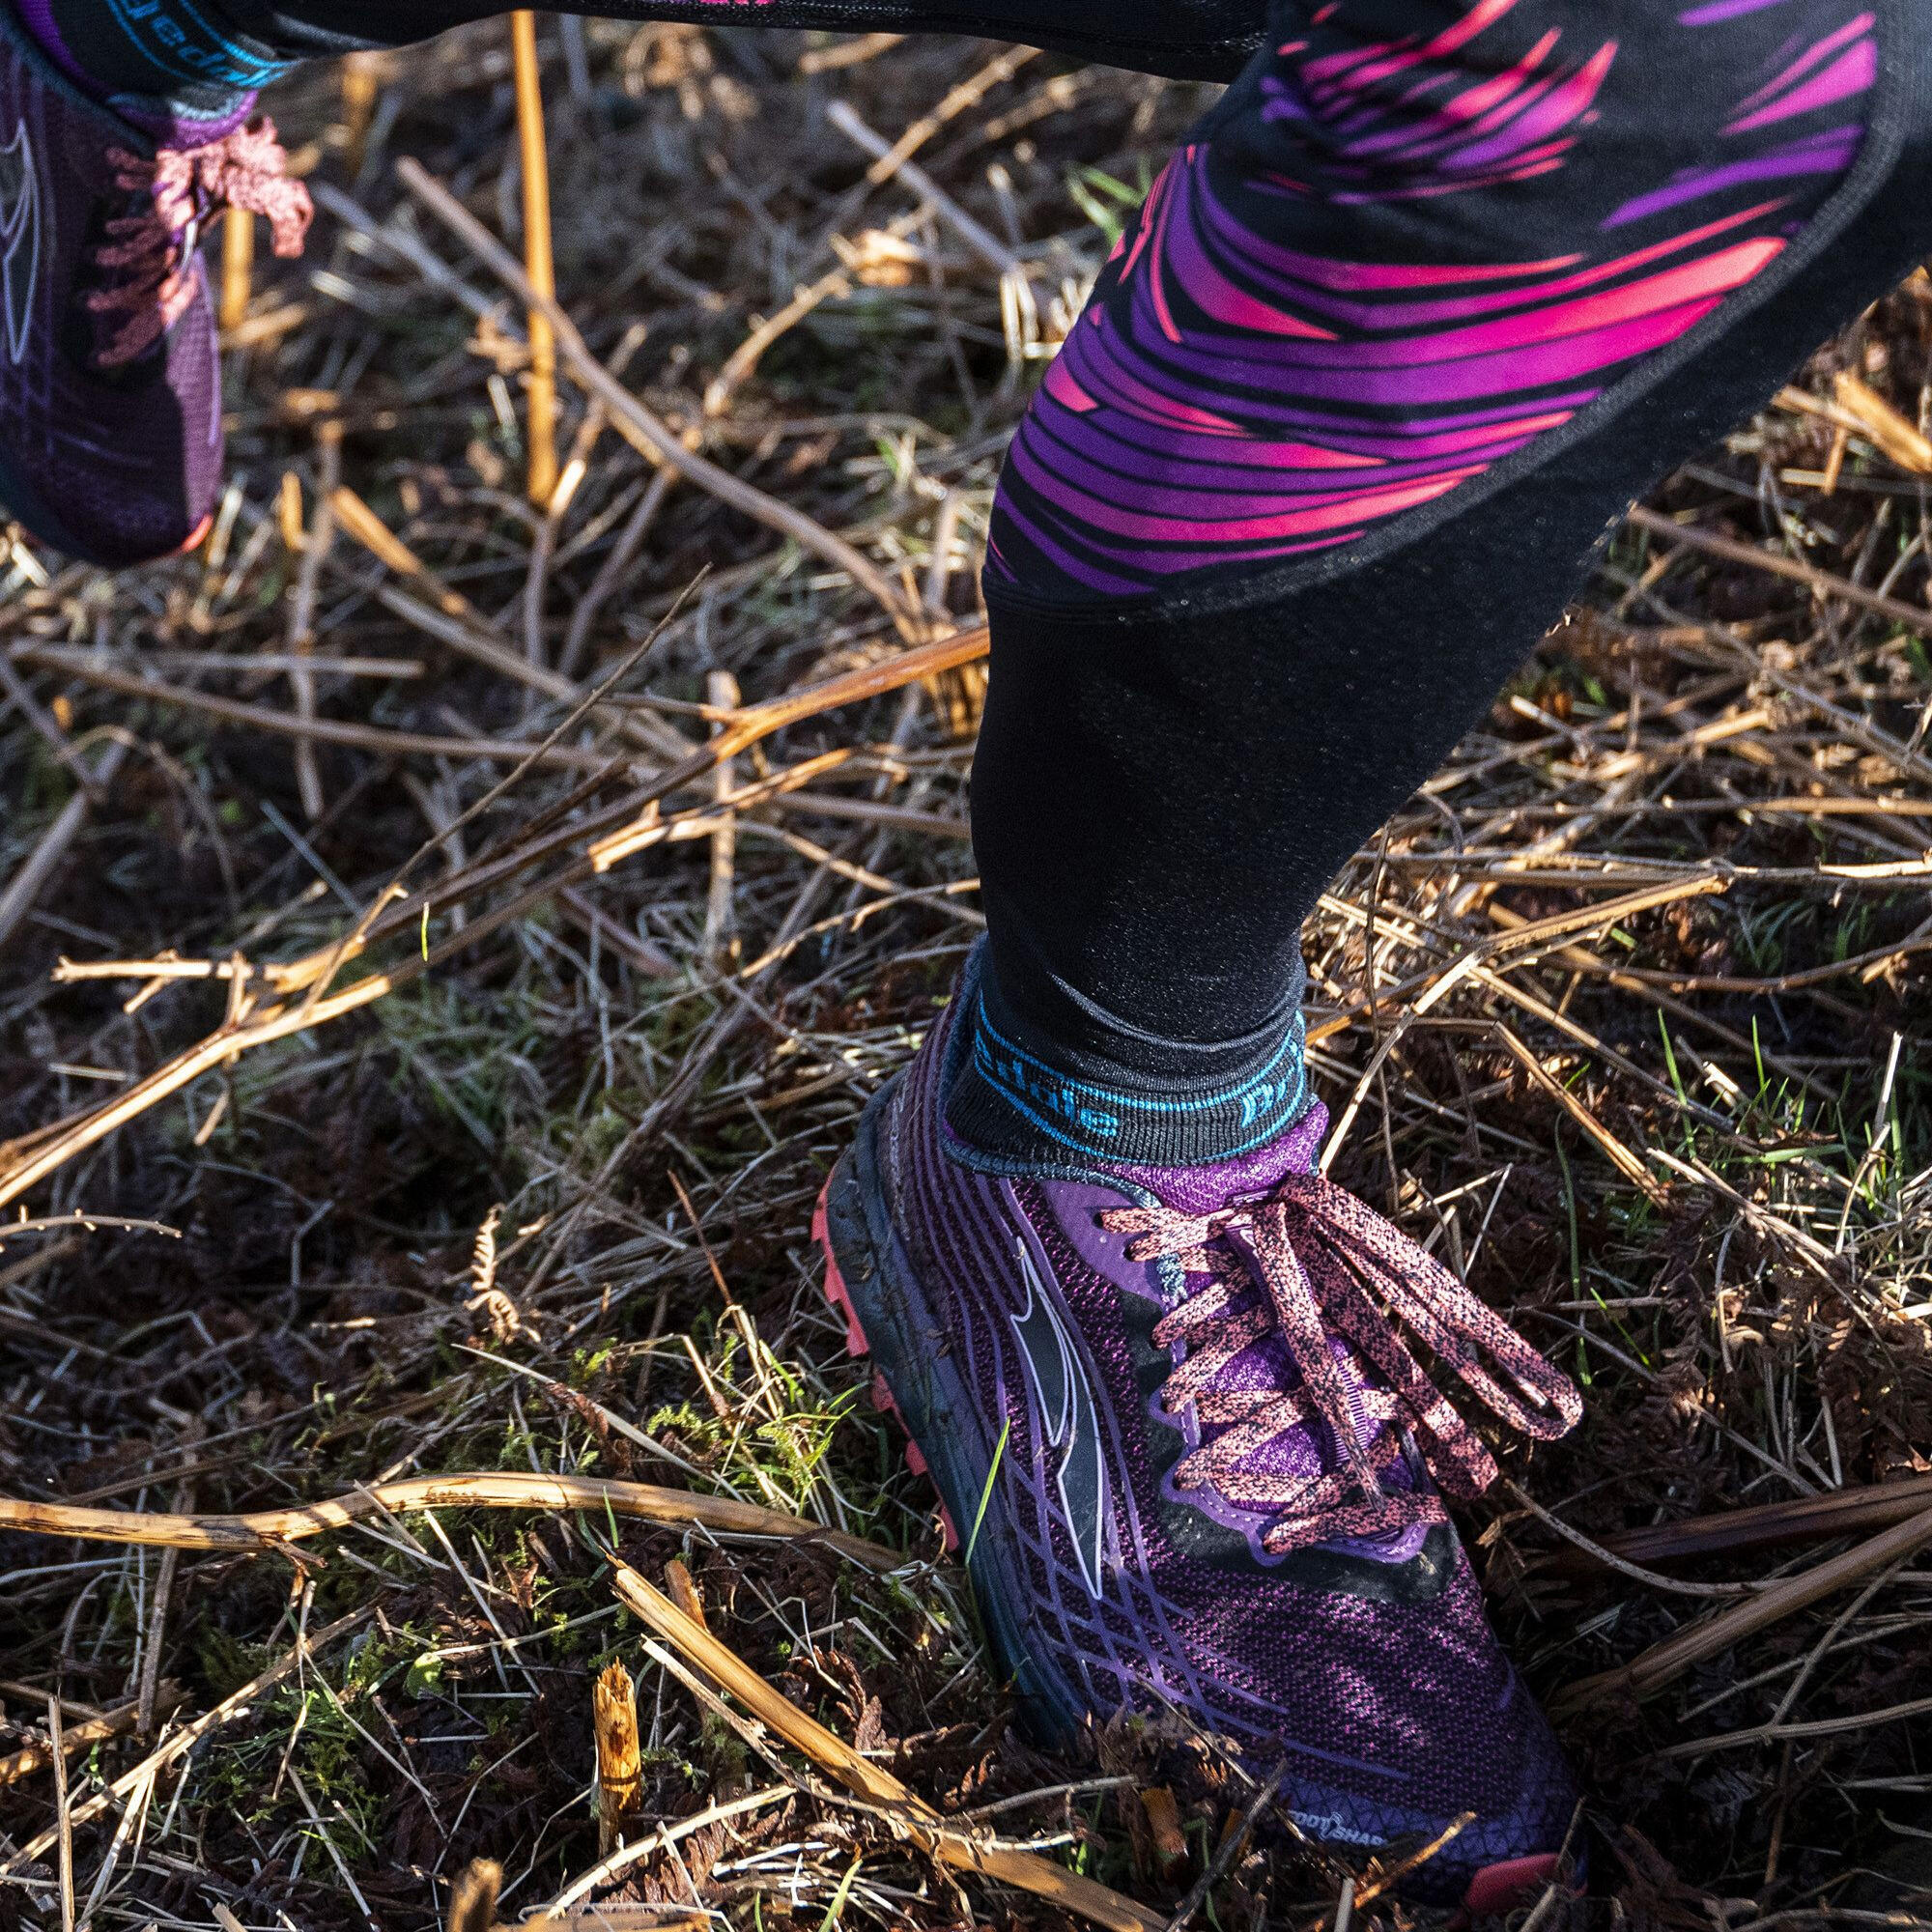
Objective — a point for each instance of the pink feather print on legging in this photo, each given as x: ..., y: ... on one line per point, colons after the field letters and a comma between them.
x: 1326, y: 316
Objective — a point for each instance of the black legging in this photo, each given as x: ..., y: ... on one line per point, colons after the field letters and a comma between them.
x: 1436, y: 289
x: 1182, y: 39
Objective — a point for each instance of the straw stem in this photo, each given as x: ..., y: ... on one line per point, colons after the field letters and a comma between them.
x: 538, y: 262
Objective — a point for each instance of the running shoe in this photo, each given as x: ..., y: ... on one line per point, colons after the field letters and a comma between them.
x: 111, y: 385
x: 1201, y: 1473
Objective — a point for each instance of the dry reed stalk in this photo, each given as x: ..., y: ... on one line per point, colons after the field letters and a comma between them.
x: 617, y: 1915
x: 301, y: 634
x: 1893, y: 434
x: 1771, y: 563
x: 678, y: 1578
x: 115, y: 1724
x: 238, y: 266
x: 178, y: 1744
x: 739, y: 365
x: 27, y: 884
x: 847, y: 53
x: 482, y: 1488
x: 662, y: 1839
x: 1621, y: 1157
x: 324, y: 730
x: 721, y: 690
x: 1801, y: 1519
x: 36, y: 1156
x: 1025, y: 1871
x: 1428, y: 987
x: 539, y: 261
x: 65, y: 657
x: 62, y: 1812
x: 591, y: 918
x: 968, y: 94
x: 472, y: 1898
x: 361, y: 81
x: 387, y: 548
x: 612, y: 573
x: 1663, y: 1662
x: 983, y: 242
x: 639, y: 426
x: 614, y: 1716
x: 458, y: 624
x: 44, y: 721
x: 1357, y: 1894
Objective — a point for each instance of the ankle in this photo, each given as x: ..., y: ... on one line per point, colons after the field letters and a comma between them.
x: 175, y: 73
x: 1016, y: 1091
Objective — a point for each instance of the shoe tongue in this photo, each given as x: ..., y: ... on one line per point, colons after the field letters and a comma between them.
x: 1203, y: 1190
x: 1296, y: 1454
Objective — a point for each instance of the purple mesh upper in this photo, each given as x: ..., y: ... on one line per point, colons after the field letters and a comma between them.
x: 117, y: 470
x: 1202, y: 1189
x: 1391, y: 1697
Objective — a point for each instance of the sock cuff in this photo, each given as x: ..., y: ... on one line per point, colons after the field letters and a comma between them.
x: 1013, y: 1091
x: 173, y: 67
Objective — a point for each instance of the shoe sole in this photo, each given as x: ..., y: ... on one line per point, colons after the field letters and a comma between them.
x: 30, y: 511
x: 872, y: 1289
x: 889, y: 1322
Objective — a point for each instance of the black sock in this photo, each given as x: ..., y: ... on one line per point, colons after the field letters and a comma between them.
x: 167, y: 59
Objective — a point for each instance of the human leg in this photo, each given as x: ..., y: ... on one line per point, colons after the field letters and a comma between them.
x: 1430, y: 296
x: 1329, y: 451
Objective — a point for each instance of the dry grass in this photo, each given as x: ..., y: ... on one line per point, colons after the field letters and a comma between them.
x: 1624, y: 1014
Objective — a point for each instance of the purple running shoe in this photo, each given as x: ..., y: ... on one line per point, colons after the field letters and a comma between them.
x: 110, y: 388
x: 1211, y: 1472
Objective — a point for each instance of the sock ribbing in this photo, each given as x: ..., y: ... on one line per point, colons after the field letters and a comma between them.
x: 161, y: 62
x: 1016, y: 1093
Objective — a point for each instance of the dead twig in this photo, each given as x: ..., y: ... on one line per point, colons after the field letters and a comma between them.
x: 640, y: 425
x: 482, y: 1488
x: 1099, y: 1904
x: 744, y: 360
x: 1666, y: 1662
x: 1802, y: 1519
x: 173, y: 1748
x: 28, y: 883
x: 119, y: 1722
x: 1233, y: 1840
x: 323, y: 730
x: 1822, y: 581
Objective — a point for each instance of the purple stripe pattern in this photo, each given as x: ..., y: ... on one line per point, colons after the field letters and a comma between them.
x: 1394, y: 260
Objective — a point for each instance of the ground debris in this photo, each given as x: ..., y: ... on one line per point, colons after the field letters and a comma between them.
x: 1624, y: 1017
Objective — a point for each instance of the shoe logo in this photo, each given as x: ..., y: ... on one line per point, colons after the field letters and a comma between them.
x: 1071, y: 1420
x: 19, y: 240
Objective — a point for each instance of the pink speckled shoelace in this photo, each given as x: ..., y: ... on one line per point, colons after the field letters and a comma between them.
x: 150, y: 254
x: 1328, y: 1267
